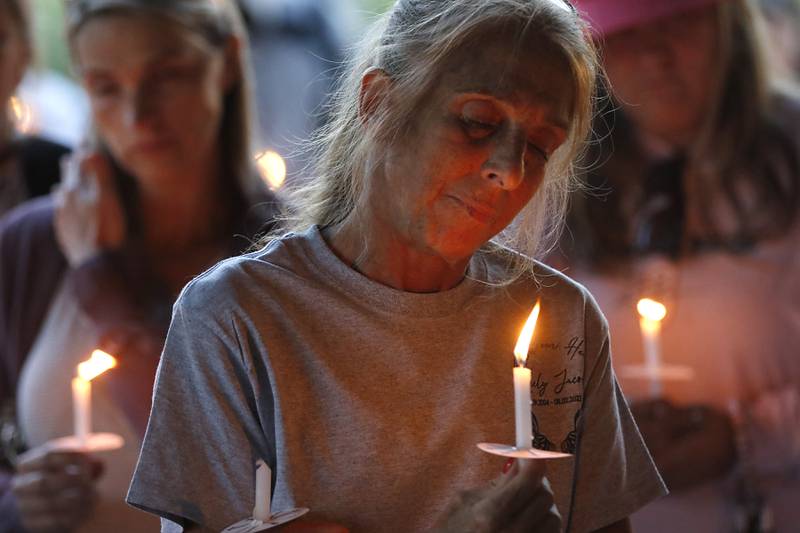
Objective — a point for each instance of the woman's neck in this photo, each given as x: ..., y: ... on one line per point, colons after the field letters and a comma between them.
x: 176, y: 216
x: 379, y: 254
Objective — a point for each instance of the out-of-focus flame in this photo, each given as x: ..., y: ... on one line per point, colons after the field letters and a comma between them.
x: 272, y: 168
x: 22, y: 115
x: 98, y: 363
x: 651, y: 310
x: 524, y: 340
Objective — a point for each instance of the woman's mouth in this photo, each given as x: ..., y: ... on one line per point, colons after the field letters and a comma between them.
x: 481, y: 212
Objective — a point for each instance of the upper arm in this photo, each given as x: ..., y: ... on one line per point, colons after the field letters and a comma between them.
x: 616, y: 475
x: 197, y: 460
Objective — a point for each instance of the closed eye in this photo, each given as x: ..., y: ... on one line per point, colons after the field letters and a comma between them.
x: 476, y: 129
x: 537, y: 149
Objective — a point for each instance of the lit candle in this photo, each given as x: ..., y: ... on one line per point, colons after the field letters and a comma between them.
x: 98, y: 363
x: 261, y: 511
x: 651, y: 313
x: 522, y: 382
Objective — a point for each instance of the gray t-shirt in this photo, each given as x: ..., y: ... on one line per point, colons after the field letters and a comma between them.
x: 367, y: 402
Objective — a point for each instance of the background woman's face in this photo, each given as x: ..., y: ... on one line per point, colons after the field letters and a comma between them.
x: 664, y: 73
x: 477, y: 148
x: 14, y: 54
x: 156, y: 92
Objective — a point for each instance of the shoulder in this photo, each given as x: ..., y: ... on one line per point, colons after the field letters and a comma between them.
x: 41, y: 163
x: 563, y: 294
x: 29, y: 224
x: 237, y: 282
x: 42, y: 149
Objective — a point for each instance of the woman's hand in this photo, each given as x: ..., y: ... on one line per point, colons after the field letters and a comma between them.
x: 691, y: 445
x: 519, y: 500
x: 55, y: 490
x: 310, y: 526
x: 89, y: 217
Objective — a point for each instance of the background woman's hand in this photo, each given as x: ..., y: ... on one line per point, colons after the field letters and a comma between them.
x: 519, y: 500
x: 691, y: 444
x: 55, y: 490
x: 89, y: 217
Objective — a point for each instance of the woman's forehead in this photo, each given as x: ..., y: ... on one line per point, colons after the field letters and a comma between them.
x: 523, y: 72
x: 148, y: 37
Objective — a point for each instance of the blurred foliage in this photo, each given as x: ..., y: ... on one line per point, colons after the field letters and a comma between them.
x: 48, y: 34
x: 375, y: 6
x: 48, y: 28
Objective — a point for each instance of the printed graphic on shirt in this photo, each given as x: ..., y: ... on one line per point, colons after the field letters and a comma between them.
x: 557, y: 385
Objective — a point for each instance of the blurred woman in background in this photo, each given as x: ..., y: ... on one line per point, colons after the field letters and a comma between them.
x: 165, y: 189
x: 696, y: 180
x: 29, y: 165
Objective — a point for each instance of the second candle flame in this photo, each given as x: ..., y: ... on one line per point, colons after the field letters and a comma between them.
x: 98, y: 363
x: 524, y: 340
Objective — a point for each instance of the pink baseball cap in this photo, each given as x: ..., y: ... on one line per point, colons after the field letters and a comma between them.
x: 610, y: 16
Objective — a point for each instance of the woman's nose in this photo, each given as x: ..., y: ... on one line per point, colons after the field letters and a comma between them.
x: 505, y: 166
x: 140, y: 109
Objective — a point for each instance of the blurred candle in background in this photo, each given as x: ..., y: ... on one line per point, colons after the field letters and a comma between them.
x: 98, y: 363
x: 651, y: 313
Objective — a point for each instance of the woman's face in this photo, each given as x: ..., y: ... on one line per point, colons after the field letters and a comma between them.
x: 477, y: 148
x: 156, y: 92
x: 664, y: 73
x: 14, y: 54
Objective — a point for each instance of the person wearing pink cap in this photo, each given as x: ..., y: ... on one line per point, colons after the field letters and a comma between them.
x: 693, y: 201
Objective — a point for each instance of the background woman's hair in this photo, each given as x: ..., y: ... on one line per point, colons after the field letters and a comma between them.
x: 411, y: 43
x: 741, y: 176
x: 217, y: 21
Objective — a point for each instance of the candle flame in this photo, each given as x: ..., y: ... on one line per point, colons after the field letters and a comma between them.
x: 22, y: 115
x: 272, y: 168
x: 98, y: 363
x: 651, y: 310
x: 525, y: 337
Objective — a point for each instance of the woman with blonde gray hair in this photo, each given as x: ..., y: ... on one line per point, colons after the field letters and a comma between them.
x: 698, y: 199
x: 164, y: 189
x: 363, y: 354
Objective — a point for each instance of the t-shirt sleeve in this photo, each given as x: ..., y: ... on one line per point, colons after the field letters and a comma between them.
x: 204, y: 435
x: 615, y: 473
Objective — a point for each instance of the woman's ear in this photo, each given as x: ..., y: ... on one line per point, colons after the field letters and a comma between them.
x: 375, y: 85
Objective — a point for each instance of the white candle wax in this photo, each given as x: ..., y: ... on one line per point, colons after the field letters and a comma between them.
x: 261, y: 511
x: 651, y: 341
x: 522, y: 407
x: 81, y: 409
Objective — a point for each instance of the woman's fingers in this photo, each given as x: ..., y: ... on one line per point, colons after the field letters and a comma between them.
x: 519, y: 500
x: 89, y: 216
x: 309, y: 526
x: 515, y: 489
x: 540, y: 515
x: 54, y: 490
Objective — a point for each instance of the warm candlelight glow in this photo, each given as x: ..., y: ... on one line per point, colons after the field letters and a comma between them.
x: 272, y: 168
x: 651, y: 309
x: 524, y: 340
x: 22, y: 115
x: 98, y: 363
